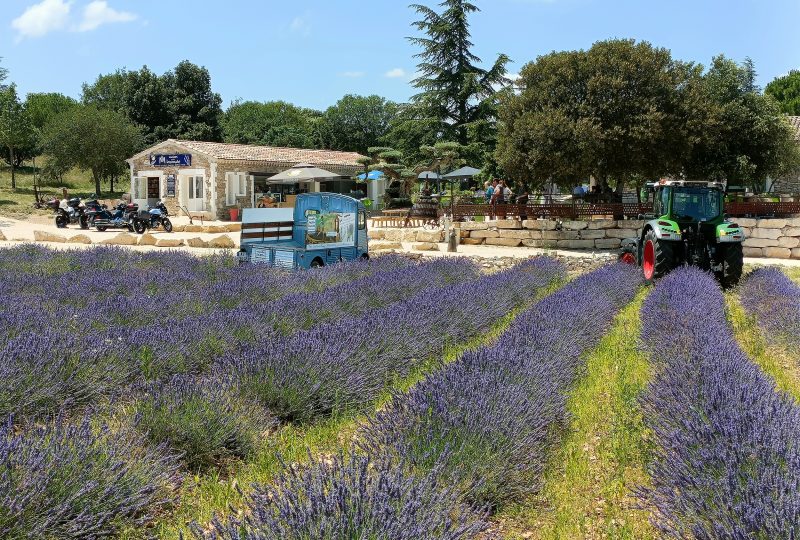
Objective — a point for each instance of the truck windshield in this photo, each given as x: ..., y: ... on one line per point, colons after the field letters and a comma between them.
x: 696, y: 204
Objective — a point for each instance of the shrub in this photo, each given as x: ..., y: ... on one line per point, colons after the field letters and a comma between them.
x: 74, y: 481
x: 352, y: 497
x: 774, y: 299
x: 203, y: 421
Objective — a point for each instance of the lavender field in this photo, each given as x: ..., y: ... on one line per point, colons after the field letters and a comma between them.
x: 167, y: 396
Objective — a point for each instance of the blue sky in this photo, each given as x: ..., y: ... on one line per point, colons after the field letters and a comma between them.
x: 312, y: 52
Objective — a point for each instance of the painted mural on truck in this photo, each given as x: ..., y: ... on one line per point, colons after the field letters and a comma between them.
x: 330, y: 230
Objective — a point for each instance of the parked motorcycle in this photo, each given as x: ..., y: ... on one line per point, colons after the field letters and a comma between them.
x: 70, y: 211
x: 93, y: 208
x: 124, y: 216
x: 153, y: 218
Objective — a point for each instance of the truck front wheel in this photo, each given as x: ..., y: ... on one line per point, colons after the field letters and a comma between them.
x: 657, y: 257
x: 317, y: 263
x: 732, y: 260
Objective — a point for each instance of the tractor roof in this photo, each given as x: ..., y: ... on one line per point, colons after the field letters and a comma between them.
x: 690, y: 183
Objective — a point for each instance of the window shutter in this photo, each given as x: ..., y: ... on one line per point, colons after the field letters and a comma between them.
x: 230, y: 179
x: 242, y: 191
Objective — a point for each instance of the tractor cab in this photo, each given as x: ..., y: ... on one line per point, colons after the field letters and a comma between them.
x: 687, y: 226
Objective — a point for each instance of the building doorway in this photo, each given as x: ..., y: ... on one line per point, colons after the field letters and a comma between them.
x: 192, y: 194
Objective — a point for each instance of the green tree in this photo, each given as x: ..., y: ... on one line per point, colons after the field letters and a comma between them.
x: 146, y: 104
x: 17, y: 135
x: 108, y: 92
x: 409, y: 130
x: 43, y: 107
x: 612, y: 111
x: 275, y: 123
x: 737, y: 134
x: 194, y: 110
x: 454, y: 89
x: 3, y: 75
x: 356, y: 123
x: 92, y: 139
x: 786, y: 91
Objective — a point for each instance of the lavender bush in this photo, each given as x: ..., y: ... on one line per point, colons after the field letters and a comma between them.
x: 352, y: 497
x: 727, y: 460
x: 345, y: 365
x: 204, y: 421
x: 493, y: 416
x: 76, y: 481
x: 774, y: 300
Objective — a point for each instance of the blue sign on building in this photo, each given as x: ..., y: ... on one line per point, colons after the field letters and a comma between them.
x: 163, y: 160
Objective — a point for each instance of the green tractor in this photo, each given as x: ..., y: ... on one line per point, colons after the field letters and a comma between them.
x: 687, y: 226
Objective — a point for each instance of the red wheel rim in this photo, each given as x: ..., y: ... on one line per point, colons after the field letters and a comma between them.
x: 628, y: 258
x: 649, y: 260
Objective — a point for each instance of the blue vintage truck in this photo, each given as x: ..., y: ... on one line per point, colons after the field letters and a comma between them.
x: 323, y: 228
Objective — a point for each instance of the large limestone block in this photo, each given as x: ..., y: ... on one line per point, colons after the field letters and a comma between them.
x: 621, y: 233
x: 147, y: 239
x: 791, y: 222
x: 778, y: 253
x: 789, y: 242
x: 539, y: 224
x: 79, y: 239
x: 484, y: 234
x: 772, y: 223
x: 425, y: 246
x: 791, y: 231
x: 122, y: 239
x: 607, y: 243
x: 631, y: 224
x: 533, y: 242
x: 178, y: 228
x: 593, y: 235
x: 472, y: 241
x: 509, y: 224
x: 193, y: 228
x: 409, y: 235
x: 393, y: 235
x: 169, y: 242
x: 220, y: 242
x: 46, y: 236
x: 760, y: 242
x: 430, y: 236
x: 602, y: 224
x: 753, y: 252
x: 561, y: 235
x: 796, y: 253
x: 384, y: 244
x: 576, y: 244
x: 575, y: 225
x: 772, y: 234
x: 233, y: 227
x: 746, y: 222
x: 508, y: 242
x: 196, y: 242
x: 514, y: 233
x: 376, y: 234
x: 472, y: 225
x: 215, y: 229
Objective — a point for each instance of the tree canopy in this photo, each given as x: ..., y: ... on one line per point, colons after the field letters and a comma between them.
x: 43, y: 107
x: 274, y: 123
x: 17, y: 136
x: 786, y: 90
x: 355, y: 123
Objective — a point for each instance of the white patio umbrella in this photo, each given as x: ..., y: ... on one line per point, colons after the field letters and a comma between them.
x: 300, y: 173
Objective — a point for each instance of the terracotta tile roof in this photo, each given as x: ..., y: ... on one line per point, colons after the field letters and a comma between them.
x: 246, y: 152
x: 795, y: 123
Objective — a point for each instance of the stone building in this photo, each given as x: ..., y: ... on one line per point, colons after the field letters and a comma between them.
x: 791, y: 183
x: 212, y: 178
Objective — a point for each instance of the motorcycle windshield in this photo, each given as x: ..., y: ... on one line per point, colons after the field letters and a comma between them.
x: 695, y: 204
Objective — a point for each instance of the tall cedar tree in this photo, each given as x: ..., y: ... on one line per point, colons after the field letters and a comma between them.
x: 454, y: 89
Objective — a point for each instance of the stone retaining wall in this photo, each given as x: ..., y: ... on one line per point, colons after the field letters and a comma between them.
x: 775, y: 238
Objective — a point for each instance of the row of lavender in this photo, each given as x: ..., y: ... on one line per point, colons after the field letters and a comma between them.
x: 727, y: 444
x: 88, y: 480
x: 468, y: 439
x: 774, y: 300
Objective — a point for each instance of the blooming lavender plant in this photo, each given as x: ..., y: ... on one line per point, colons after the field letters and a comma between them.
x: 774, y: 300
x: 493, y: 416
x: 204, y: 421
x: 727, y: 458
x: 79, y: 481
x: 352, y: 497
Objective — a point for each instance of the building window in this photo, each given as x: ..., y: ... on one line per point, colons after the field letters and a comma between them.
x: 236, y: 187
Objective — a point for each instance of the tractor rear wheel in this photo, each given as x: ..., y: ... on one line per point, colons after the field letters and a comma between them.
x: 657, y: 257
x: 732, y: 259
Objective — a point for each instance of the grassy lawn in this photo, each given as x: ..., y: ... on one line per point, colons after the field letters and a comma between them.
x: 19, y: 203
x: 589, y: 480
x: 204, y: 496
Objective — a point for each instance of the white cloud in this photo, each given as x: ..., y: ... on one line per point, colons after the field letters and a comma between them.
x: 98, y: 13
x: 353, y: 74
x: 396, y: 73
x: 300, y: 25
x: 42, y: 18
